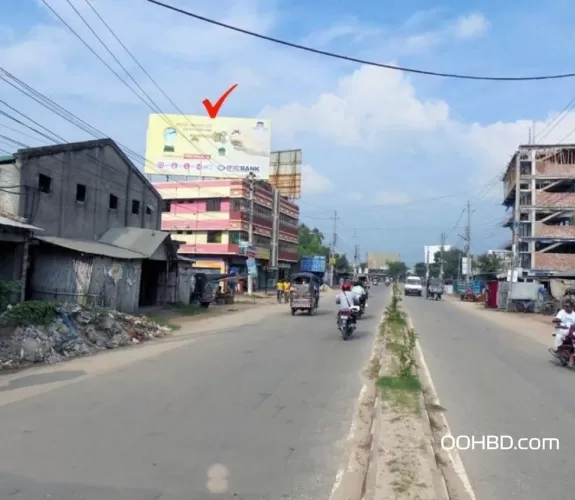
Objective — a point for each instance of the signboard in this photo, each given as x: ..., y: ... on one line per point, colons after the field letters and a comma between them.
x: 246, y: 249
x: 332, y: 261
x: 252, y: 268
x: 199, y: 146
x: 466, y: 266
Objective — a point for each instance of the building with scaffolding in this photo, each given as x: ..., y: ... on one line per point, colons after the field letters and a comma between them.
x: 539, y: 185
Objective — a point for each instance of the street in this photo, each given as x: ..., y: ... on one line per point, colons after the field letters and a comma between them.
x: 257, y: 412
x: 496, y: 381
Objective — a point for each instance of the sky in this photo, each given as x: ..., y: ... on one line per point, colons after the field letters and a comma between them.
x: 397, y: 155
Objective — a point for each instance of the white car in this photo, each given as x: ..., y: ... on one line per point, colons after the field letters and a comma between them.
x: 413, y: 286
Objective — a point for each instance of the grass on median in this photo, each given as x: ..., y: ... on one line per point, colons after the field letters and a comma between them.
x: 402, y: 388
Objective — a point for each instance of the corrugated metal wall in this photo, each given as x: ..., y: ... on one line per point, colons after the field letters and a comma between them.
x: 89, y: 280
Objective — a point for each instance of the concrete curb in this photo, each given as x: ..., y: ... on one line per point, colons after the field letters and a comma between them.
x: 351, y: 482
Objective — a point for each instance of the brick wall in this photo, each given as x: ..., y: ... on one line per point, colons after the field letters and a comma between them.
x: 555, y: 261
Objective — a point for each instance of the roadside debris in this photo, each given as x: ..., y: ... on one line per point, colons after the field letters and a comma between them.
x: 41, y: 332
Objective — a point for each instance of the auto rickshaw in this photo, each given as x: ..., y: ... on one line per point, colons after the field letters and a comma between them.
x: 304, y: 293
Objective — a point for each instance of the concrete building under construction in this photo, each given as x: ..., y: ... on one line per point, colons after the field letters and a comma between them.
x: 539, y: 186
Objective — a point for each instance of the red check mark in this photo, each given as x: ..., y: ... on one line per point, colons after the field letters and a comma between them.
x: 214, y: 109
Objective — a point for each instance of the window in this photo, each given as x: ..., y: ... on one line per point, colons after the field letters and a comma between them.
x: 45, y: 183
x: 113, y: 202
x: 214, y: 236
x: 213, y: 205
x: 166, y: 205
x: 239, y: 204
x: 149, y: 209
x: 80, y: 193
x: 135, y: 207
x: 237, y: 236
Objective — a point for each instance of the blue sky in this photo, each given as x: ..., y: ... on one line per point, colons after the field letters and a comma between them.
x: 382, y: 148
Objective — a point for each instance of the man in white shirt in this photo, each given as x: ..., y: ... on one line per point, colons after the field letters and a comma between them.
x: 563, y: 321
x: 360, y: 292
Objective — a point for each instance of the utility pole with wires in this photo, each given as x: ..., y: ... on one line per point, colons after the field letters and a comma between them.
x: 251, y: 181
x: 356, y: 252
x: 442, y: 249
x: 467, y: 239
x: 332, y: 252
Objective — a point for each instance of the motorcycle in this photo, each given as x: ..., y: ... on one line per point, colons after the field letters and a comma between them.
x: 567, y: 348
x: 345, y: 322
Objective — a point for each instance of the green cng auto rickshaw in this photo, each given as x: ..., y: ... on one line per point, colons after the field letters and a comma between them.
x: 304, y: 293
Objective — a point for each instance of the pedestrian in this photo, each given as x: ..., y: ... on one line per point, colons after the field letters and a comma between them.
x: 279, y: 290
x: 287, y: 287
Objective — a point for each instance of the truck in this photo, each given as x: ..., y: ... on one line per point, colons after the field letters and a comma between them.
x: 312, y: 264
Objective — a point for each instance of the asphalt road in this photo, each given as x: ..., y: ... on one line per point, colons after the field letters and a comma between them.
x: 495, y: 381
x: 261, y: 412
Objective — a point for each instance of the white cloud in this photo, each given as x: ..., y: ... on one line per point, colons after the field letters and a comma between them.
x: 355, y: 196
x: 470, y: 26
x: 313, y: 182
x: 391, y: 198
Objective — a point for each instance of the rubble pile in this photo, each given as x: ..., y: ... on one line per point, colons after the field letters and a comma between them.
x: 72, y: 331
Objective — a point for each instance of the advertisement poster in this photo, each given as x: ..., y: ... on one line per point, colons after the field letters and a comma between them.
x: 200, y: 146
x: 251, y: 265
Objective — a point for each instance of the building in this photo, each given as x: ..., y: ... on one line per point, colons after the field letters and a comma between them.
x: 544, y: 209
x: 379, y: 260
x: 211, y: 218
x: 429, y: 252
x: 98, y: 218
x: 78, y: 190
x: 15, y: 239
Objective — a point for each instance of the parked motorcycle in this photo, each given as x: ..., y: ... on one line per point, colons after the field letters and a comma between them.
x: 567, y: 348
x: 346, y: 323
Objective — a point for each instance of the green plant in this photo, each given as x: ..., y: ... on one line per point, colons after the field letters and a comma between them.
x: 8, y: 291
x: 33, y: 312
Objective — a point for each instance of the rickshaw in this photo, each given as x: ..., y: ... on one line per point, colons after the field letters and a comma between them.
x: 304, y: 293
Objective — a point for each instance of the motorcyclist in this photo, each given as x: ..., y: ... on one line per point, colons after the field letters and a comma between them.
x: 564, y: 320
x: 361, y: 292
x: 346, y: 299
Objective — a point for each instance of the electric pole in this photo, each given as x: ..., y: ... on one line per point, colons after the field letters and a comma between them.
x: 442, y: 248
x: 356, y: 253
x: 467, y: 239
x: 333, y: 244
x: 251, y: 179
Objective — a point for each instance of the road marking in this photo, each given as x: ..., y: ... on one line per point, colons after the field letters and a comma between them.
x: 453, y: 454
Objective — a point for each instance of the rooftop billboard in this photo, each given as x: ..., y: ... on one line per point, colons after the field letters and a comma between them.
x: 199, y: 146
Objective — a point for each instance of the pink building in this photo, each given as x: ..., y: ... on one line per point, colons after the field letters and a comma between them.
x: 211, y: 218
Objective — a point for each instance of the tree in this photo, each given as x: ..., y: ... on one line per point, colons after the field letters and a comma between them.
x: 489, y: 264
x: 420, y: 269
x: 451, y: 263
x: 311, y: 241
x: 396, y: 269
x: 341, y: 262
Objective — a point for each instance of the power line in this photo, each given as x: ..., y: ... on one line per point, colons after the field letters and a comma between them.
x: 355, y: 59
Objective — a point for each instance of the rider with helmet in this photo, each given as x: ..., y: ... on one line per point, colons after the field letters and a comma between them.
x: 346, y: 299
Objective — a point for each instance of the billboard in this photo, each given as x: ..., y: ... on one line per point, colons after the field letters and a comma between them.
x: 199, y: 146
x: 429, y: 252
x: 285, y: 172
x: 379, y: 260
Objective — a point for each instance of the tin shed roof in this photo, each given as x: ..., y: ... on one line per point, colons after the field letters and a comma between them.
x: 5, y: 221
x: 92, y: 247
x: 143, y: 241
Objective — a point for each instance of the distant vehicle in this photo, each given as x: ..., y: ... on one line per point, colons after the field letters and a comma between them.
x: 413, y: 286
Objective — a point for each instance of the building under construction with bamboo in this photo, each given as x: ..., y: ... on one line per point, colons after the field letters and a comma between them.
x: 539, y: 188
